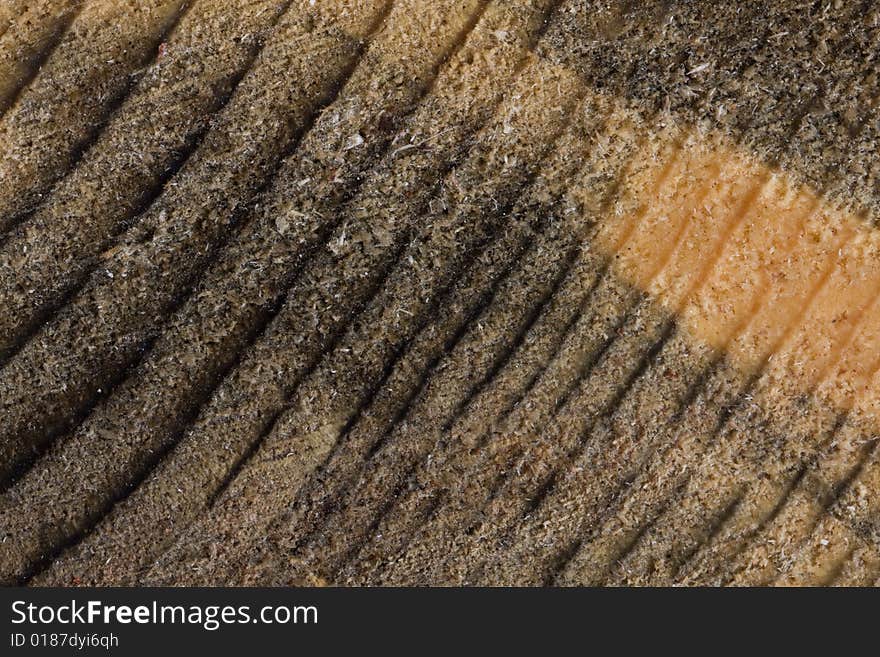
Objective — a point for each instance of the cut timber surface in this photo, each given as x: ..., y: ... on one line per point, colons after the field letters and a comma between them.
x: 441, y: 292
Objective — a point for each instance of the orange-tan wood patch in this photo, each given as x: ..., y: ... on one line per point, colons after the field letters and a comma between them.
x: 754, y: 264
